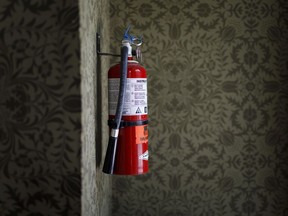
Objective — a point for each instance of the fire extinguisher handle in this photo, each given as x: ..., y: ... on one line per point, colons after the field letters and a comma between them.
x: 109, y: 162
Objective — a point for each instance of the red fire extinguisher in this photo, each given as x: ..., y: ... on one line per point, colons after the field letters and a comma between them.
x: 127, y: 151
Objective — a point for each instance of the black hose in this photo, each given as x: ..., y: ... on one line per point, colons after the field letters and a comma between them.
x: 112, y: 144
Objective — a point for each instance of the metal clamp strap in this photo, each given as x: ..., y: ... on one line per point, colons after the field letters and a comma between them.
x: 128, y: 123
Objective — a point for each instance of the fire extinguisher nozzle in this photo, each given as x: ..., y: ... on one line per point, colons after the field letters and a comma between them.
x: 109, y: 162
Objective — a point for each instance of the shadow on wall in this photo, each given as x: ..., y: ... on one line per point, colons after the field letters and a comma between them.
x: 39, y: 108
x: 99, y: 103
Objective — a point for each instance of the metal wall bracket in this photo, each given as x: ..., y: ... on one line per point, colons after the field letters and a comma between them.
x: 98, y: 48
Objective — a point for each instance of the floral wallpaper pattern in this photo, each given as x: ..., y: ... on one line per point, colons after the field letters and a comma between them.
x: 39, y: 108
x: 218, y: 107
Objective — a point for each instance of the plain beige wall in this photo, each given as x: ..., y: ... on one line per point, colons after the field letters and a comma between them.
x: 94, y: 17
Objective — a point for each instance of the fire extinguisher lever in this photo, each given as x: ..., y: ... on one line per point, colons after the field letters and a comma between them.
x: 112, y: 145
x: 133, y: 41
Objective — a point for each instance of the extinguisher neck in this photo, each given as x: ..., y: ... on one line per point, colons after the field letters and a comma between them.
x: 128, y: 45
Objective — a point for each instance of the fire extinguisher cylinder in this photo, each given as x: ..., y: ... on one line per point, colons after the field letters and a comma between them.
x: 109, y: 162
x: 127, y: 151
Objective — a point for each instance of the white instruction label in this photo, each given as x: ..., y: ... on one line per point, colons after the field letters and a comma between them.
x: 135, y: 102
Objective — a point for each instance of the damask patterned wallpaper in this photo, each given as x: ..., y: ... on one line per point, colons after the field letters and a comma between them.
x: 218, y: 103
x: 39, y: 108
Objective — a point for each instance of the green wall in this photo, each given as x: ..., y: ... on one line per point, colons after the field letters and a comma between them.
x: 218, y: 82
